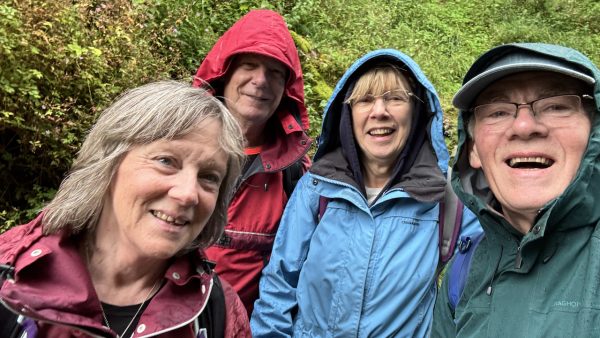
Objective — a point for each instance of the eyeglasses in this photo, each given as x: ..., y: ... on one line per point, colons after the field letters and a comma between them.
x: 548, y: 110
x: 392, y: 100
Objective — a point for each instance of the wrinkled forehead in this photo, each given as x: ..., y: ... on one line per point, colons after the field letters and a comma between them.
x: 536, y: 84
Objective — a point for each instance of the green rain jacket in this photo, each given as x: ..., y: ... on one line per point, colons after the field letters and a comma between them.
x: 542, y: 284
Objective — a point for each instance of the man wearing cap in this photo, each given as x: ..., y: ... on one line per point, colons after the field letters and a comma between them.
x: 255, y: 69
x: 528, y: 166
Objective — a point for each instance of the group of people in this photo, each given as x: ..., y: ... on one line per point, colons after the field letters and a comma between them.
x: 194, y: 210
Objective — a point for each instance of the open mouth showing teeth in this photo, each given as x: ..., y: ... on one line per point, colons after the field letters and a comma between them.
x: 530, y: 162
x: 168, y: 219
x: 381, y: 132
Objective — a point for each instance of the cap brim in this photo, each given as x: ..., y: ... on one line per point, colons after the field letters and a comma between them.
x: 470, y: 90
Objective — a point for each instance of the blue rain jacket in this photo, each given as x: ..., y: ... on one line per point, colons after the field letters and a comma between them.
x: 362, y: 270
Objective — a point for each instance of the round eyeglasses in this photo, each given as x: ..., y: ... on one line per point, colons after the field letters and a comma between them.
x: 392, y: 99
x: 547, y: 110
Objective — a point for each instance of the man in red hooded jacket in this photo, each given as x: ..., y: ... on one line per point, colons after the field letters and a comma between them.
x: 255, y: 68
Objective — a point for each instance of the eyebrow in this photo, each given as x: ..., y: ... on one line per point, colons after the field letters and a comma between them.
x: 552, y: 90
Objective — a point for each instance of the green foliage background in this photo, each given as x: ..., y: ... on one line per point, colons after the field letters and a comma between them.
x: 62, y: 62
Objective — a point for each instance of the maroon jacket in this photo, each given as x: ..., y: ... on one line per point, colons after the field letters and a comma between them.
x: 51, y: 285
x: 258, y: 204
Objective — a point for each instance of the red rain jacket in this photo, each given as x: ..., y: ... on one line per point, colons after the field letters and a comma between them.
x: 257, y: 206
x: 52, y: 286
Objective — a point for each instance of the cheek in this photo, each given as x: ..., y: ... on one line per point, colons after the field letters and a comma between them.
x: 233, y: 85
x: 279, y: 90
x: 356, y: 124
x: 403, y: 120
x: 575, y: 151
x: 574, y: 141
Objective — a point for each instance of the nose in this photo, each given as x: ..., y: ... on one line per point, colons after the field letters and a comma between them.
x: 379, y: 109
x: 525, y: 125
x: 259, y: 76
x: 185, y: 188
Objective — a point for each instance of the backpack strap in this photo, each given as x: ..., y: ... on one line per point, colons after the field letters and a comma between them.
x: 457, y: 276
x: 450, y: 218
x: 9, y: 325
x: 291, y: 176
x: 12, y: 325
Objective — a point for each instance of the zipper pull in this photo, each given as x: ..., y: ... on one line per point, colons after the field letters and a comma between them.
x: 519, y: 259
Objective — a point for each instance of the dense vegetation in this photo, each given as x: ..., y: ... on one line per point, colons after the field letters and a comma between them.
x: 62, y: 62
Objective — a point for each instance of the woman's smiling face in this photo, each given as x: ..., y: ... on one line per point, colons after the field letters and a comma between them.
x: 381, y: 115
x: 163, y: 193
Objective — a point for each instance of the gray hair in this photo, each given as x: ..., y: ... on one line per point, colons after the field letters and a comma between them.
x: 160, y: 110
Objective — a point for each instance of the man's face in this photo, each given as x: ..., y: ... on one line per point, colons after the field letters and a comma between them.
x: 254, y: 88
x: 528, y: 162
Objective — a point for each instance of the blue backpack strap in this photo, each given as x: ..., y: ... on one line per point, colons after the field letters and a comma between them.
x: 457, y: 276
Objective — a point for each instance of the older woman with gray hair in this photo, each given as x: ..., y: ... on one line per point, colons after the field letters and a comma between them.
x: 115, y: 253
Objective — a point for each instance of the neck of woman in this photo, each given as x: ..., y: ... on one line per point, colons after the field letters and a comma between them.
x: 119, y: 278
x: 376, y: 175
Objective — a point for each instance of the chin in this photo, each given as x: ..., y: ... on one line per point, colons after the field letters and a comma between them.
x: 527, y: 203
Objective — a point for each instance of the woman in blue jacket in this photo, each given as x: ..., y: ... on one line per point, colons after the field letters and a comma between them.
x: 357, y: 248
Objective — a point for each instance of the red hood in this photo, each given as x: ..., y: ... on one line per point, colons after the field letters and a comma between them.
x: 261, y: 32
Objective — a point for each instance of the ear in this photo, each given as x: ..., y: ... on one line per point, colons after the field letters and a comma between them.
x: 474, y: 160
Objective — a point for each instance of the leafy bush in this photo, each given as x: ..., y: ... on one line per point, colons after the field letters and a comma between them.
x: 63, y: 61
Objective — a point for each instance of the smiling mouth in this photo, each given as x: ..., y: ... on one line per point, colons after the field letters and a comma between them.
x: 169, y: 219
x: 258, y: 98
x: 530, y: 162
x: 381, y: 132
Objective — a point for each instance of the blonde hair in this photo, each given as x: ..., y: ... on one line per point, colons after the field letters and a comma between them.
x: 378, y: 80
x: 160, y: 110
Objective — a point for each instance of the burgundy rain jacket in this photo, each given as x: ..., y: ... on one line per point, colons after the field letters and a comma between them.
x: 260, y: 199
x: 51, y: 287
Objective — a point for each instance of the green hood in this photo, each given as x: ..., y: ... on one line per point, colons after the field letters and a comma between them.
x: 577, y: 206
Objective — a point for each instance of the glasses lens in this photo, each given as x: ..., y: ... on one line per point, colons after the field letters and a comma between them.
x: 495, y: 113
x: 396, y: 98
x: 557, y: 106
x: 363, y: 103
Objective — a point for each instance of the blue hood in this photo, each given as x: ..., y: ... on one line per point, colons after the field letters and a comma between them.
x: 329, y: 137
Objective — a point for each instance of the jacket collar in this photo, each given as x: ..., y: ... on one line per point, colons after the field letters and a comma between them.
x: 51, y: 283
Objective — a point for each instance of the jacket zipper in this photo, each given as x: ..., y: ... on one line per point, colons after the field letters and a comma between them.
x: 519, y: 258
